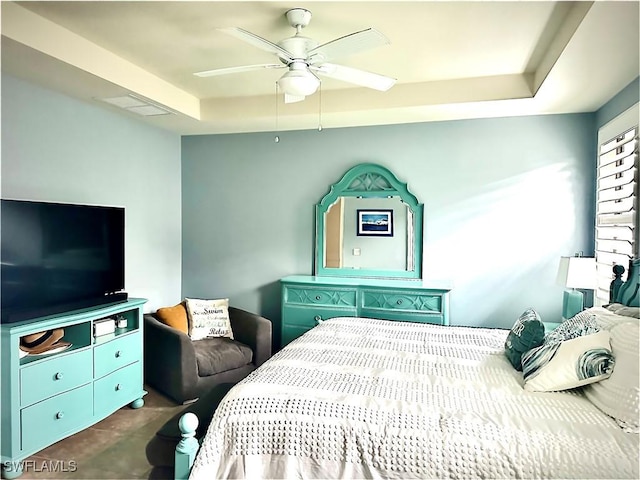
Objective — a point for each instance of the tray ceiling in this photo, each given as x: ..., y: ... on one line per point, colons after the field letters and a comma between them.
x: 452, y: 60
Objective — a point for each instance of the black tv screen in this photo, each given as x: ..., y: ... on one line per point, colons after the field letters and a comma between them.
x: 59, y: 257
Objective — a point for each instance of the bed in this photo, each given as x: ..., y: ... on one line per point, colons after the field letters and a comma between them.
x: 366, y: 398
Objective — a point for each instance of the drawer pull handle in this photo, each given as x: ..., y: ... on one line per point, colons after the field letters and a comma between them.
x: 59, y: 415
x: 317, y: 297
x: 118, y: 354
x: 118, y: 387
x: 58, y: 376
x: 399, y: 302
x: 318, y: 319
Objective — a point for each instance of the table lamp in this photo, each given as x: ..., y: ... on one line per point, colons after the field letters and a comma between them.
x: 575, y: 272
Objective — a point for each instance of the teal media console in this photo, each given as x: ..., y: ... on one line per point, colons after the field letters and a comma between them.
x: 46, y: 398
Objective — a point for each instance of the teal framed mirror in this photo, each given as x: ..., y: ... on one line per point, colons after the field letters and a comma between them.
x: 369, y: 225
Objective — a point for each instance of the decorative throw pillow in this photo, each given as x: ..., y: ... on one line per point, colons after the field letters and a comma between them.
x: 614, y: 307
x: 526, y: 333
x: 584, y: 323
x: 568, y: 364
x: 619, y: 395
x: 175, y: 317
x: 633, y: 312
x: 209, y: 318
x: 624, y: 310
x: 606, y: 319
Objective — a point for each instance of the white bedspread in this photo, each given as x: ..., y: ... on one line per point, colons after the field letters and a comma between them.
x: 363, y: 398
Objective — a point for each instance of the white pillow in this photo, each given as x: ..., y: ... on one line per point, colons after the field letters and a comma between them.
x: 633, y: 312
x: 569, y: 364
x: 607, y: 319
x: 618, y: 395
x: 612, y: 307
x: 208, y: 318
x: 624, y: 310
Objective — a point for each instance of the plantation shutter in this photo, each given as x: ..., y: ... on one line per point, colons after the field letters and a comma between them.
x: 617, y: 205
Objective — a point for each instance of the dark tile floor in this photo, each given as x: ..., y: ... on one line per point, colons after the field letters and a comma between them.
x: 111, y: 449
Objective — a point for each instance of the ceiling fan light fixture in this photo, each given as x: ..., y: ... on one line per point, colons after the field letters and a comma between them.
x: 299, y: 82
x: 305, y: 57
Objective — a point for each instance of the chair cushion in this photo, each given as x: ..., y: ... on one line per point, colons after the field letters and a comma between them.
x: 217, y: 355
x: 175, y: 317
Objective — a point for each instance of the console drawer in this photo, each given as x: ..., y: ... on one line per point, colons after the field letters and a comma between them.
x: 320, y: 296
x: 117, y: 389
x: 50, y: 420
x: 402, y: 301
x: 48, y: 377
x: 117, y: 353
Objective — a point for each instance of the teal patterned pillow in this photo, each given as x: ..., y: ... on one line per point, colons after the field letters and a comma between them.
x: 526, y: 333
x: 584, y: 323
x: 568, y: 364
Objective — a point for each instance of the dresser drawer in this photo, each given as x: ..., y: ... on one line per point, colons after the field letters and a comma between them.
x: 117, y: 389
x: 290, y: 333
x: 404, y: 316
x: 407, y: 301
x: 309, y: 317
x: 117, y: 353
x: 50, y: 420
x: 320, y: 296
x: 48, y: 377
x: 297, y: 320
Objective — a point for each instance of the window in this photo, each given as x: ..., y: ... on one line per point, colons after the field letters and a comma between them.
x: 617, y: 226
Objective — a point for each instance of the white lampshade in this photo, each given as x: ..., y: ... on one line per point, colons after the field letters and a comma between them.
x: 299, y: 81
x: 577, y: 272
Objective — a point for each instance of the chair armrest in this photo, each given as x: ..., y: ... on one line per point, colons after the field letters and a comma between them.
x: 169, y: 360
x: 254, y: 331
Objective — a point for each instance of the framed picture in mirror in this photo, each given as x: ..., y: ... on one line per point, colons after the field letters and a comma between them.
x: 374, y: 223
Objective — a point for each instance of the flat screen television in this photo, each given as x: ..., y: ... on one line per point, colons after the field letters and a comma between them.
x: 59, y: 257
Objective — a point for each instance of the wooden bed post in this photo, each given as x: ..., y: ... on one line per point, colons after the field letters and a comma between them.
x: 187, y: 447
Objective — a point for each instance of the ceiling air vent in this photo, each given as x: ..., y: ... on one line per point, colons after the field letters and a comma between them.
x: 135, y: 104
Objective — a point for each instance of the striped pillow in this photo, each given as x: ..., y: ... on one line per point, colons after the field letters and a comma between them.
x: 569, y: 364
x: 618, y: 395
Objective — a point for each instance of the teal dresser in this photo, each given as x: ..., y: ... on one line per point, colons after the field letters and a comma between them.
x: 308, y: 300
x: 46, y: 398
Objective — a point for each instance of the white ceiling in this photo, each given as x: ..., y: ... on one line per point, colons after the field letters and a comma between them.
x: 452, y: 59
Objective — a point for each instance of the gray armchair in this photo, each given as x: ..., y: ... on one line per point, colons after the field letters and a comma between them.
x: 184, y: 369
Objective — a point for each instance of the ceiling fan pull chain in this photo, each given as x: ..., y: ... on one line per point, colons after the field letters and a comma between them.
x: 320, y: 107
x: 277, y: 138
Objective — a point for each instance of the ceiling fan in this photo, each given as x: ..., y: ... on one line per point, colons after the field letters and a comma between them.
x: 305, y: 59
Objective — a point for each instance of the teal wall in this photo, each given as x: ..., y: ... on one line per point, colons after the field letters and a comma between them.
x: 55, y: 148
x: 504, y: 199
x: 628, y: 96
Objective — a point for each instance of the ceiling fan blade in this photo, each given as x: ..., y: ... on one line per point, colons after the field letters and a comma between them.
x: 293, y: 98
x: 348, y: 45
x: 356, y: 76
x: 259, y: 42
x: 245, y: 68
